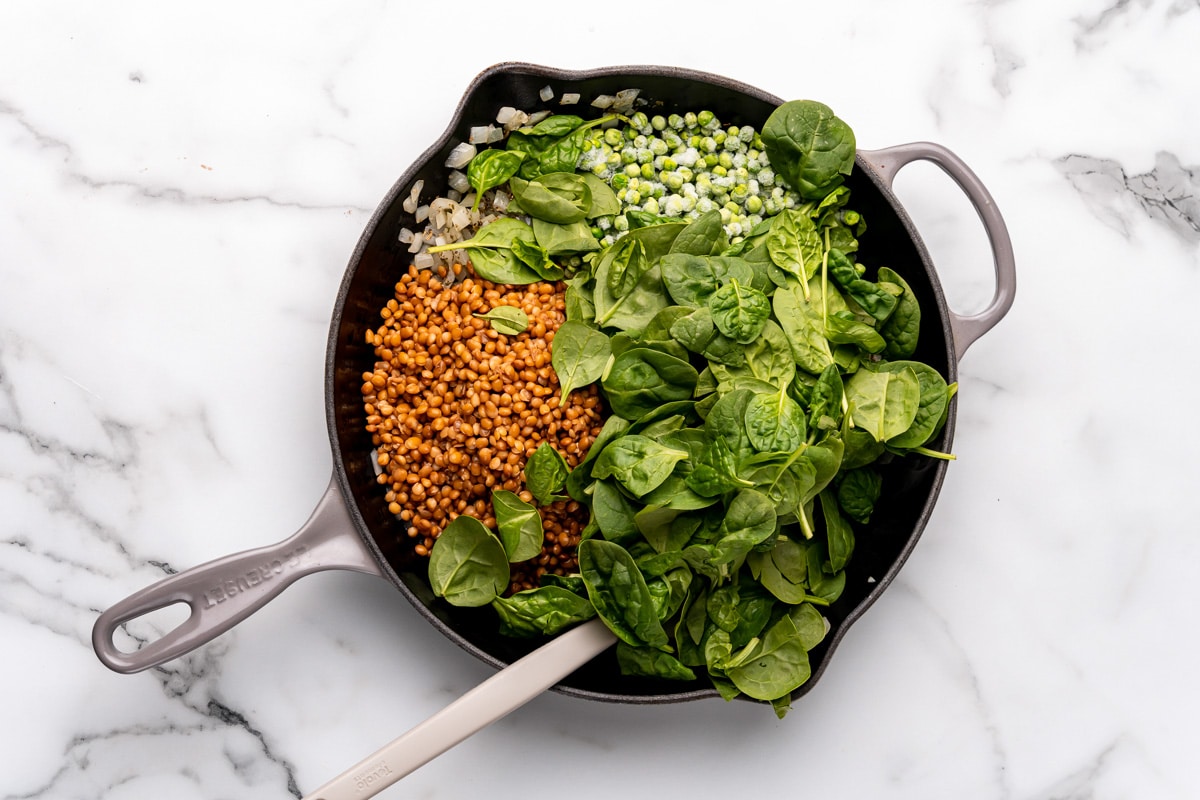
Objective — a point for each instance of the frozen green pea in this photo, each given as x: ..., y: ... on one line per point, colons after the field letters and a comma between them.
x: 658, y: 122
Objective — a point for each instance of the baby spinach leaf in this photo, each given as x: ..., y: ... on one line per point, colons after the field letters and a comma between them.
x: 802, y: 321
x: 508, y: 320
x: 468, y: 565
x: 490, y: 169
x: 714, y: 471
x: 638, y: 462
x: 858, y: 492
x: 810, y: 625
x: 534, y: 256
x: 554, y: 126
x: 775, y: 422
x: 491, y: 252
x: 544, y: 611
x: 519, y: 526
x: 604, y: 199
x: 768, y: 363
x: 934, y: 399
x: 739, y: 311
x: 839, y: 536
x: 692, y: 279
x: 824, y: 584
x: 641, y: 379
x: 614, y: 513
x: 845, y: 328
x: 579, y: 353
x: 884, y: 404
x: 794, y: 245
x: 750, y: 520
x: 558, y: 197
x: 809, y: 147
x: 903, y: 328
x: 578, y: 300
x: 874, y: 298
x: 783, y: 570
x: 649, y: 662
x: 629, y: 263
x: 704, y: 236
x: 545, y: 472
x: 825, y: 400
x: 559, y: 240
x: 619, y: 594
x: 777, y: 665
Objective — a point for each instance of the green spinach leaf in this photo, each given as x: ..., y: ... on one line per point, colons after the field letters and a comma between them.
x: 619, y: 594
x: 468, y: 565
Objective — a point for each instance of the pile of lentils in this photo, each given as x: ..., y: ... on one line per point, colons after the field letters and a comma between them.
x: 455, y: 408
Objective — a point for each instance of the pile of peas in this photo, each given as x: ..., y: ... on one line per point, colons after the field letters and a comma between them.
x: 684, y: 165
x: 455, y: 408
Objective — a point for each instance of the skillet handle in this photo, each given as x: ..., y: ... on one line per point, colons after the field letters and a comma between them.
x: 225, y: 591
x: 966, y: 329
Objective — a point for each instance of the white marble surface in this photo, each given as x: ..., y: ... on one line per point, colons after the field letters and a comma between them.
x: 181, y: 185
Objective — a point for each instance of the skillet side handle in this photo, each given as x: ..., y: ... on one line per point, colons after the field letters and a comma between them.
x: 223, y: 592
x: 966, y: 329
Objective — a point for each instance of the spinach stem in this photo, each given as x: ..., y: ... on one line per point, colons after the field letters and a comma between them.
x: 925, y: 451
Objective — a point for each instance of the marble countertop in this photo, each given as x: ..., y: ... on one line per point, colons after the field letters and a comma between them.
x: 181, y: 186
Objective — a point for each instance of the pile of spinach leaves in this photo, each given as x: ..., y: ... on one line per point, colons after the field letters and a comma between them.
x: 753, y: 389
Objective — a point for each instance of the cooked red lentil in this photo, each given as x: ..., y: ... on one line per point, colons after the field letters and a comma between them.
x: 455, y: 408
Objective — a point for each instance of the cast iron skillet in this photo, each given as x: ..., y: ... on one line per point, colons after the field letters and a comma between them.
x: 351, y: 528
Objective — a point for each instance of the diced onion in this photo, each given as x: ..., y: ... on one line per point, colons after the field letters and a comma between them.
x: 458, y: 181
x: 410, y: 202
x: 569, y: 99
x: 546, y: 93
x: 480, y: 134
x: 461, y: 155
x: 603, y: 101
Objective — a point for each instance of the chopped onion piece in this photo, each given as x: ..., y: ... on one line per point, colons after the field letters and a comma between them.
x: 480, y: 134
x: 406, y: 235
x: 410, y: 202
x: 495, y: 135
x: 454, y: 195
x: 505, y: 115
x: 537, y: 117
x: 623, y: 103
x: 423, y: 261
x: 417, y: 243
x: 422, y: 213
x: 461, y: 218
x: 458, y: 181
x: 603, y: 101
x: 546, y: 93
x: 461, y: 155
x: 569, y: 99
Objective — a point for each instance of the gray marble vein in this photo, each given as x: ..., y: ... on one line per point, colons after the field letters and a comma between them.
x: 1168, y: 194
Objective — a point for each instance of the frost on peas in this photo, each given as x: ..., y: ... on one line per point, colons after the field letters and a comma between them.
x: 650, y: 206
x: 673, y: 181
x: 746, y: 133
x: 766, y: 176
x: 689, y: 203
x: 672, y: 139
x: 689, y: 119
x: 725, y: 160
x: 613, y: 137
x: 633, y: 170
x: 704, y: 205
x: 658, y: 147
x: 708, y: 144
x: 645, y: 155
x: 673, y: 206
x: 647, y: 170
x: 688, y: 157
